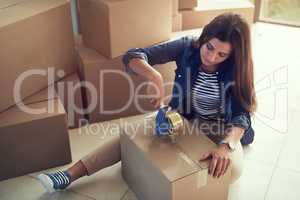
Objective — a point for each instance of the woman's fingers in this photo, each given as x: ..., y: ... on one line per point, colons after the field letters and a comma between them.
x: 219, y: 167
x: 219, y: 163
x: 157, y: 103
x: 213, y: 165
x: 222, y: 171
x: 153, y: 101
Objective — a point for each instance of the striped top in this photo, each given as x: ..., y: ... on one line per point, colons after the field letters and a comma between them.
x: 206, y: 95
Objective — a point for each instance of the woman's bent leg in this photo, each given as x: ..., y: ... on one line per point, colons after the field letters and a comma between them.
x: 77, y: 170
x: 104, y: 156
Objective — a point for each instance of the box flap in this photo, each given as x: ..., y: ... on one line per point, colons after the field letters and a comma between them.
x: 43, y: 95
x: 15, y: 115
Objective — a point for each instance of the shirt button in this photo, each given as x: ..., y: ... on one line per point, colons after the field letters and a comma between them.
x: 179, y: 75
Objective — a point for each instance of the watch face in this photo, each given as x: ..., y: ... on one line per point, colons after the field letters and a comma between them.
x: 232, y: 146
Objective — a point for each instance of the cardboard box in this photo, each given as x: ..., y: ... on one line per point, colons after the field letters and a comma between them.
x: 114, y: 26
x: 33, y: 142
x: 69, y: 90
x: 113, y: 88
x: 9, y: 3
x: 175, y: 4
x: 188, y: 4
x: 202, y: 15
x: 34, y: 35
x: 157, y: 168
x: 177, y: 23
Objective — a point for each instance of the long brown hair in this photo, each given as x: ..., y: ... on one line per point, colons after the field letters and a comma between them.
x: 234, y: 29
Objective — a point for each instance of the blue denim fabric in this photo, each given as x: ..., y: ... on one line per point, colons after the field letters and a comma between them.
x: 187, y: 59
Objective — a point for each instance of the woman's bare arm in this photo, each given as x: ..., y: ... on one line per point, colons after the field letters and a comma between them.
x: 141, y: 67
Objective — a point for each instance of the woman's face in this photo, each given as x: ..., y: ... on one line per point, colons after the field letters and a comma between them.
x: 214, y: 52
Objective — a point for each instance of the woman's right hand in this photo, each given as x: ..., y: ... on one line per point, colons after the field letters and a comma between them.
x: 155, y: 90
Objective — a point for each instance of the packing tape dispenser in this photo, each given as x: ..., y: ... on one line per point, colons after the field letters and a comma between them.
x: 168, y: 123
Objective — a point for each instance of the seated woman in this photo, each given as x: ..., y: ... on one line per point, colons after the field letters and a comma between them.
x: 214, y: 81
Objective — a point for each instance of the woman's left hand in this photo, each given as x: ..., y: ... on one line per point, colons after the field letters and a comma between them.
x: 219, y: 160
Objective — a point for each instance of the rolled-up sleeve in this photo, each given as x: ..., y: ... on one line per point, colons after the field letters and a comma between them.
x: 242, y: 121
x: 157, y: 54
x: 240, y: 117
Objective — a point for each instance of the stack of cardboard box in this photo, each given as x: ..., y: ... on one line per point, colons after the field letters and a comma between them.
x: 37, y: 49
x: 34, y: 35
x: 109, y: 29
x: 198, y: 13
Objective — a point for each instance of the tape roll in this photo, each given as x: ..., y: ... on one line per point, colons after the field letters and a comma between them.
x: 175, y: 121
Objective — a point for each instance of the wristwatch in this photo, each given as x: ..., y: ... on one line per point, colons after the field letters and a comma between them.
x: 231, y: 145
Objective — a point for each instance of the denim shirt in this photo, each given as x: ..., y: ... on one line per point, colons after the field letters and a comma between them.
x: 188, y: 61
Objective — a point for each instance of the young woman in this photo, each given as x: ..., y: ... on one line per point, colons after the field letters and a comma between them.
x: 214, y: 81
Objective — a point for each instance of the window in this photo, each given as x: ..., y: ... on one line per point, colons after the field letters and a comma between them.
x: 278, y: 11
